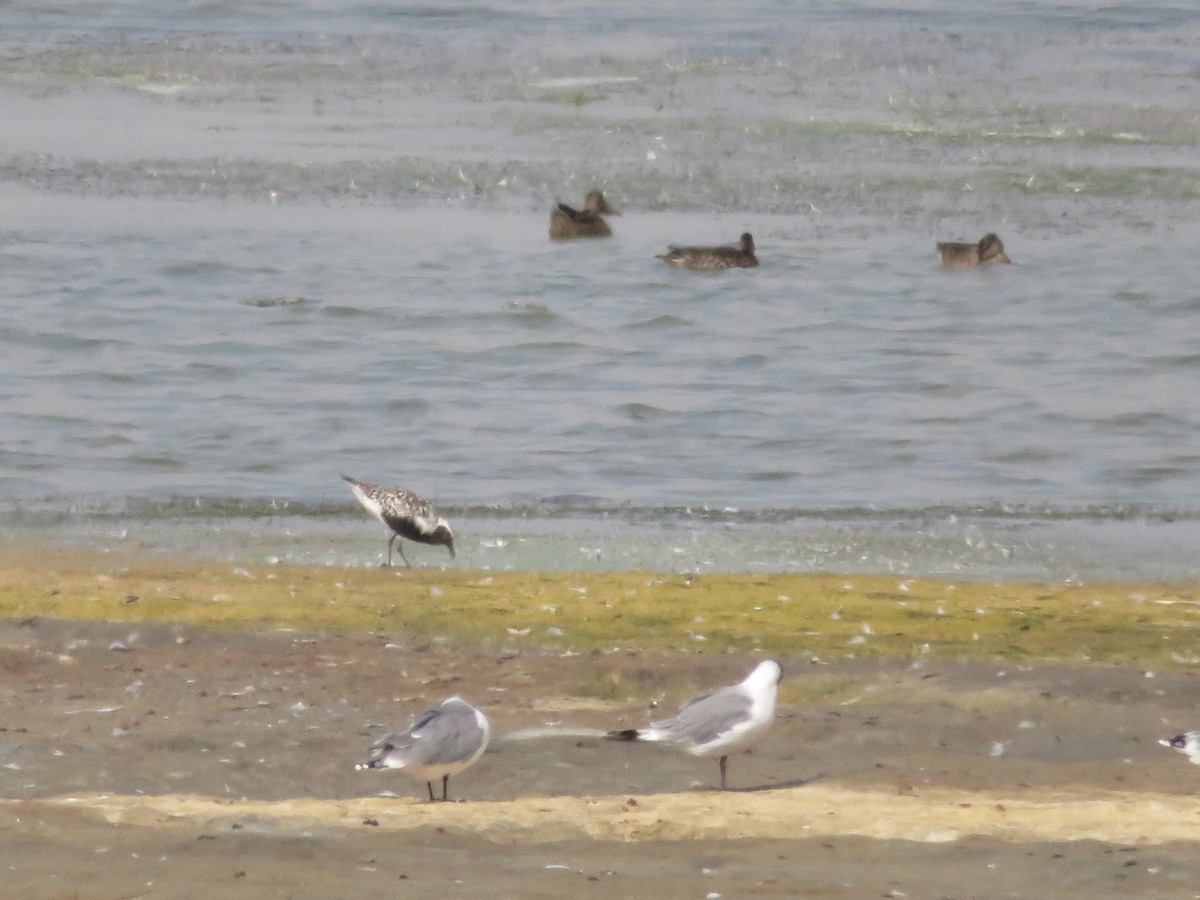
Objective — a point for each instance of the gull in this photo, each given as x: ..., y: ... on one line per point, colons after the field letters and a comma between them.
x: 406, y: 514
x: 438, y: 743
x: 1187, y: 744
x: 714, y: 723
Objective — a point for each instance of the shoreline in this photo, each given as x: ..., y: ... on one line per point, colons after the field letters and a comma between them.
x: 976, y: 546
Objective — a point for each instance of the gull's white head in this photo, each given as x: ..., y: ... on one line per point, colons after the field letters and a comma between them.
x: 766, y: 673
x: 1187, y: 744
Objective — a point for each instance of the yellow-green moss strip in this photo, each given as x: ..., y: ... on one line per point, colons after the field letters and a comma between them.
x: 829, y: 616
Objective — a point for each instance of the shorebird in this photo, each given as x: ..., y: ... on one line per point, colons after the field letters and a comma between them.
x: 438, y: 743
x: 709, y: 258
x: 714, y: 723
x: 566, y: 222
x: 1187, y: 744
x: 406, y: 514
x: 990, y: 249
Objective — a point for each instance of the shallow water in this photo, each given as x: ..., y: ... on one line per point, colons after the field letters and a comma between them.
x: 251, y: 247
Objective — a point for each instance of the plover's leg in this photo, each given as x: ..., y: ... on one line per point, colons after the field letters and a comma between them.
x: 432, y: 799
x: 445, y: 786
x: 723, y: 761
x: 400, y: 550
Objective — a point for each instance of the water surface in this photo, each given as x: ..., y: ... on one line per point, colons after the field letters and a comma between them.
x: 249, y: 247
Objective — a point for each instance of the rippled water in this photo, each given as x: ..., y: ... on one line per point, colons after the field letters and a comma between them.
x: 249, y: 247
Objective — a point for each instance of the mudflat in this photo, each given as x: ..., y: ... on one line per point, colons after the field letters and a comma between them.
x: 178, y: 728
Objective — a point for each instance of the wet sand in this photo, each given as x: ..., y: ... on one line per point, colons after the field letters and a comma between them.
x: 158, y: 758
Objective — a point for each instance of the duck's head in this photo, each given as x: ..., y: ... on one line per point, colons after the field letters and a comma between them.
x: 991, y: 249
x: 595, y: 202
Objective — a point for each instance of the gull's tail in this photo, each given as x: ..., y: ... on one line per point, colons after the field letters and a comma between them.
x: 629, y: 734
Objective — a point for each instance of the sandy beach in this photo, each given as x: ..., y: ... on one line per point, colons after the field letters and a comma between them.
x: 211, y: 752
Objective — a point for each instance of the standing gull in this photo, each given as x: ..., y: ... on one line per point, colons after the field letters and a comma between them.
x: 1187, y: 744
x: 714, y: 723
x: 436, y: 744
x: 408, y: 515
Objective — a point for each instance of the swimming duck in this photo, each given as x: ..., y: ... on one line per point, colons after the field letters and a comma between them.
x: 990, y: 249
x: 566, y: 222
x: 706, y: 258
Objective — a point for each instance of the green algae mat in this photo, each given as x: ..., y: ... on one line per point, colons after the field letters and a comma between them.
x: 827, y: 616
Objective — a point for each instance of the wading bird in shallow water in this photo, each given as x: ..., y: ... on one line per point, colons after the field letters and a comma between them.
x: 710, y: 258
x: 1187, y: 744
x: 436, y: 744
x: 406, y: 514
x: 714, y: 723
x: 566, y: 222
x: 990, y: 249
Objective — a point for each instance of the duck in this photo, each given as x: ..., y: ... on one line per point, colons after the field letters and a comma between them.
x: 709, y: 258
x: 567, y: 222
x: 990, y: 249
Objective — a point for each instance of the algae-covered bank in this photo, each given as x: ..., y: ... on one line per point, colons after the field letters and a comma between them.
x: 190, y: 728
x: 828, y: 616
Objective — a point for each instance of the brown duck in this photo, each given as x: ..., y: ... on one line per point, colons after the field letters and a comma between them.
x: 990, y: 249
x: 709, y: 258
x: 566, y: 222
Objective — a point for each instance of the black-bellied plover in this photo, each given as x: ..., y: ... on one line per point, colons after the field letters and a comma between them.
x: 956, y: 255
x: 407, y: 515
x: 708, y: 258
x: 566, y: 222
x: 436, y: 744
x: 1187, y: 744
x: 714, y: 723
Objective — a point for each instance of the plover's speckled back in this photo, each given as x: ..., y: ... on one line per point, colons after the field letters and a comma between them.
x: 407, y: 515
x: 436, y: 744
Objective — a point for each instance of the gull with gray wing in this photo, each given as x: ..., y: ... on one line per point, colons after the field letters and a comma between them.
x: 440, y: 742
x: 715, y: 723
x: 1187, y: 743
